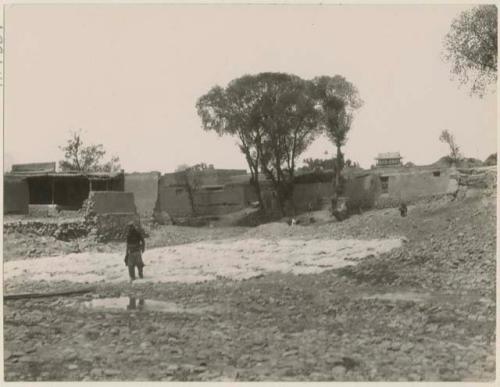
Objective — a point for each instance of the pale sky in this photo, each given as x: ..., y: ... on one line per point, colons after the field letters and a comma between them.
x: 129, y: 77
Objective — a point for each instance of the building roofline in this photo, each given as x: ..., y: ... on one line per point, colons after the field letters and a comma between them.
x: 90, y: 175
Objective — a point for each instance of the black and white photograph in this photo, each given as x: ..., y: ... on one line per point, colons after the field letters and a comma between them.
x: 238, y: 192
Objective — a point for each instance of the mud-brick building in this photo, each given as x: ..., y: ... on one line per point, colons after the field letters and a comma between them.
x: 388, y: 160
x: 217, y: 192
x: 38, y: 189
x: 387, y: 187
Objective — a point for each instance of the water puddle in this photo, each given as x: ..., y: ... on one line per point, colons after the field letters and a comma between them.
x: 141, y: 304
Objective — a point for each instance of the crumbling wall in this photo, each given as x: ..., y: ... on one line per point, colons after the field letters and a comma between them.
x: 144, y: 186
x: 110, y: 202
x: 63, y: 230
x: 15, y: 195
x: 229, y: 198
x: 174, y: 201
x: 105, y: 227
x: 108, y: 213
x: 206, y: 177
x: 482, y: 178
x: 477, y: 181
x: 43, y: 210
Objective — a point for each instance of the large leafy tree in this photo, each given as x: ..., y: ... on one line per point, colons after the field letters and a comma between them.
x: 338, y: 99
x: 289, y: 117
x: 471, y: 46
x: 86, y: 158
x: 275, y: 116
x: 232, y: 111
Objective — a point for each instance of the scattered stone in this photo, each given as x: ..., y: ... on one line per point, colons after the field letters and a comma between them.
x: 111, y: 372
x: 96, y: 372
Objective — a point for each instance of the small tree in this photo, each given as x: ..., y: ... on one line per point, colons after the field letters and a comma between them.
x: 471, y: 46
x: 338, y: 99
x: 81, y: 158
x: 312, y: 165
x: 191, y: 180
x: 449, y: 139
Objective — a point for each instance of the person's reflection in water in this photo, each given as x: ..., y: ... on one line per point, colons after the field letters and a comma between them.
x: 133, y: 305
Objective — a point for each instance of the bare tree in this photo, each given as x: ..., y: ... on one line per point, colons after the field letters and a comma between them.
x: 86, y: 158
x: 191, y: 180
x: 449, y: 139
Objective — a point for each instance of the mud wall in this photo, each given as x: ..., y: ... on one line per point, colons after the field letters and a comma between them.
x: 16, y: 195
x: 174, y: 201
x: 144, y: 186
x: 365, y: 190
x: 415, y: 185
x: 315, y: 194
x: 229, y: 199
x: 362, y: 190
x: 207, y: 177
x: 107, y: 214
x: 207, y: 202
x: 110, y: 202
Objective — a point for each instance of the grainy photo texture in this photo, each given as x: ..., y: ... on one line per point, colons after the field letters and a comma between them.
x: 249, y: 192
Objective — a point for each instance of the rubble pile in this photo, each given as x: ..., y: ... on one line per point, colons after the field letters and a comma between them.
x: 110, y: 227
x: 480, y: 178
x: 64, y: 230
x: 107, y: 226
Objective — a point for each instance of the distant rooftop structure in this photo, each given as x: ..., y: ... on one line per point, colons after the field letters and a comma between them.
x: 34, y: 167
x: 49, y: 170
x: 388, y: 159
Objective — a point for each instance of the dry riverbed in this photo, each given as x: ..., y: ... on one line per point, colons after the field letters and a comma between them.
x: 377, y: 297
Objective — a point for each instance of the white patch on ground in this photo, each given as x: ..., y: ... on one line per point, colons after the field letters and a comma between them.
x: 402, y: 296
x: 202, y: 261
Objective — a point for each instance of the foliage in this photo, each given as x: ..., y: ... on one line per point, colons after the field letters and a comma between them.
x: 275, y: 117
x: 231, y: 111
x: 471, y: 46
x: 290, y: 121
x: 312, y: 165
x: 338, y: 99
x: 82, y: 158
x: 314, y: 177
x: 449, y: 139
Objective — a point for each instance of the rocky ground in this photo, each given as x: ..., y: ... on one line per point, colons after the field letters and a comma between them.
x: 20, y: 246
x: 424, y: 311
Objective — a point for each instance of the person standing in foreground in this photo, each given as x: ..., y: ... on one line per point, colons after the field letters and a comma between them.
x: 135, y: 248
